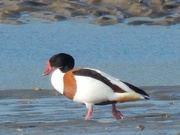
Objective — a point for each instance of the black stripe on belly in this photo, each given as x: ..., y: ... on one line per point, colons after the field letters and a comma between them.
x: 106, y: 103
x: 98, y: 76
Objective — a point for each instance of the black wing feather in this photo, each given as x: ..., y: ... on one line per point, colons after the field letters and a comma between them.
x: 137, y: 90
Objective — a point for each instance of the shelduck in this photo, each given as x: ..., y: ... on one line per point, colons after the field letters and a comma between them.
x: 90, y: 86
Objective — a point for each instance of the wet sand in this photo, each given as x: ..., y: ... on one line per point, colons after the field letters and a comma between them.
x: 99, y: 12
x: 46, y: 112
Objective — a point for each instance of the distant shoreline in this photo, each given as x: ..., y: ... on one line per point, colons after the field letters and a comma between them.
x: 102, y: 12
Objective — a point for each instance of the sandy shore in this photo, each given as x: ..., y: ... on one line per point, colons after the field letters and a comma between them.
x: 100, y: 12
x: 46, y: 112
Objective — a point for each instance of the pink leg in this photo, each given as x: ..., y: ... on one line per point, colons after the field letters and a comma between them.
x: 116, y: 113
x: 89, y: 113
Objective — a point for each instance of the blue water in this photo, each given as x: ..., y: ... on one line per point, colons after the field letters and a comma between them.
x: 141, y: 55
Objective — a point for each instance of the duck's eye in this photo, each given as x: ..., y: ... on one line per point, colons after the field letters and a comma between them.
x: 52, y: 59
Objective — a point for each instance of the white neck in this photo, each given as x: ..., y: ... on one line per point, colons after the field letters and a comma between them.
x: 57, y: 80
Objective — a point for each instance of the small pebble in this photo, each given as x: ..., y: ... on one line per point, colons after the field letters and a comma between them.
x: 171, y: 103
x: 141, y: 127
x: 19, y: 129
x: 36, y: 89
x: 166, y: 116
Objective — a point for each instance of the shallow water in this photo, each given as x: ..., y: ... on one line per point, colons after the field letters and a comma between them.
x: 142, y: 55
x: 45, y: 112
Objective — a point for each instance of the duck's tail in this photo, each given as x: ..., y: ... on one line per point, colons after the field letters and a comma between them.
x: 137, y: 90
x: 133, y: 94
